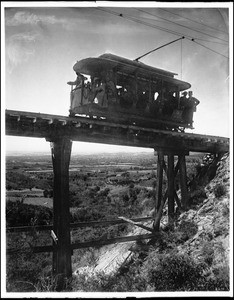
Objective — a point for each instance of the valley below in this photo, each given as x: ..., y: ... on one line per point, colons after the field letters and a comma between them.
x: 193, y: 256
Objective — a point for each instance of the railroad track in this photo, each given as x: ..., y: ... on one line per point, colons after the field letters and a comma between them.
x: 50, y: 127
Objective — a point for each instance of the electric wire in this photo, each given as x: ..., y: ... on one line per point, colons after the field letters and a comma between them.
x: 182, y: 25
x: 158, y: 27
x: 209, y: 49
x: 128, y: 17
x: 154, y: 20
x: 144, y: 23
x: 193, y: 20
x: 200, y: 39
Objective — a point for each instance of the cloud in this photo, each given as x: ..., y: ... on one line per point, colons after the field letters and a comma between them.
x: 29, y: 28
x: 19, y: 48
x: 27, y: 18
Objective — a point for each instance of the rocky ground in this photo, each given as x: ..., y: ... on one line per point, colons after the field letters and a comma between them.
x: 204, y: 229
x: 211, y: 242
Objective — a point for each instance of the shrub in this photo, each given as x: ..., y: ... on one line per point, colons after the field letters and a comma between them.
x: 175, y: 272
x: 208, y: 252
x: 225, y: 209
x: 20, y: 214
x: 219, y: 190
x: 188, y: 229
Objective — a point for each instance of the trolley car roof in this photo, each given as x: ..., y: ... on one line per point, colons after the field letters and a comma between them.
x: 94, y: 66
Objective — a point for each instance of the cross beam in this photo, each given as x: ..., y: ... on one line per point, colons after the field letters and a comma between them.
x: 170, y: 193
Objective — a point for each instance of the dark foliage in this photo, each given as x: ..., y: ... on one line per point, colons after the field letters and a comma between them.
x: 20, y: 214
x: 220, y: 190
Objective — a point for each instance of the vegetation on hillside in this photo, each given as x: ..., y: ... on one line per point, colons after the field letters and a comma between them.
x: 188, y: 258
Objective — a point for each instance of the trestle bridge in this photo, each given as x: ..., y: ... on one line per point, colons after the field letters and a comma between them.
x: 61, y: 131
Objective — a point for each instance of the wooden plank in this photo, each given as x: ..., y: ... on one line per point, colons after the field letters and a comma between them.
x: 95, y: 243
x: 159, y: 213
x: 183, y: 182
x: 93, y: 121
x: 177, y: 200
x: 136, y: 224
x: 149, y: 137
x: 38, y: 249
x: 29, y: 228
x: 171, y: 187
x: 61, y: 153
x: 75, y: 225
x: 54, y: 237
x: 99, y: 243
x: 159, y: 182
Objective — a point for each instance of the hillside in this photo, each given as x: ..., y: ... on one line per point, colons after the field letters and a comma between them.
x: 193, y: 257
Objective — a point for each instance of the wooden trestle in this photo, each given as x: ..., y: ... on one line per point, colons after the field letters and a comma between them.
x: 60, y: 131
x: 61, y: 153
x: 170, y: 193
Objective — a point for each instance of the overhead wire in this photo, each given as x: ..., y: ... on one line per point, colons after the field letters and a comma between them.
x: 142, y: 22
x: 209, y: 49
x: 182, y: 25
x: 158, y: 27
x: 191, y: 20
x: 200, y: 39
x: 166, y: 21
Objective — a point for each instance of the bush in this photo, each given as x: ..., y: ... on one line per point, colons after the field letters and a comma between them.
x: 208, y: 252
x: 188, y: 229
x: 219, y: 190
x: 174, y: 272
x: 20, y: 214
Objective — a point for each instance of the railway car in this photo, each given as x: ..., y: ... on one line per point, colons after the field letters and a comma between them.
x: 113, y: 88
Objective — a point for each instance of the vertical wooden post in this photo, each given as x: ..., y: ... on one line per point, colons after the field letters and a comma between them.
x: 183, y: 181
x: 61, y: 153
x: 171, y: 186
x: 159, y: 183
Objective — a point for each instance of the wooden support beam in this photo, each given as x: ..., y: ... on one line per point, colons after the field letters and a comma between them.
x: 54, y: 237
x: 160, y: 165
x: 136, y: 224
x: 171, y: 187
x: 183, y: 181
x: 122, y: 239
x: 177, y: 200
x: 61, y: 153
x: 158, y: 215
x: 82, y: 245
x: 75, y: 225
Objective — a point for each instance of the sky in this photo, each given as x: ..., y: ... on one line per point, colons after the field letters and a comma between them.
x: 42, y: 43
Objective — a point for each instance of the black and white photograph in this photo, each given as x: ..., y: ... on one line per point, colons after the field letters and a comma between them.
x: 116, y: 149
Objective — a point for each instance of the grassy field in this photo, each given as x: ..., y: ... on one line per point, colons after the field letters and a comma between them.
x: 34, y: 197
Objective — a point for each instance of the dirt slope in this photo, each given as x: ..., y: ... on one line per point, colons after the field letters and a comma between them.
x: 210, y: 241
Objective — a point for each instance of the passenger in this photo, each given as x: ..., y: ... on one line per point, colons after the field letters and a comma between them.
x: 184, y: 106
x: 78, y: 82
x: 192, y: 107
x: 169, y: 104
x: 194, y: 101
x: 143, y: 98
x: 111, y: 91
x: 161, y: 100
x: 126, y: 97
x: 183, y: 99
x: 76, y: 93
x: 156, y: 106
x: 173, y: 100
x: 93, y: 89
x: 101, y: 95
